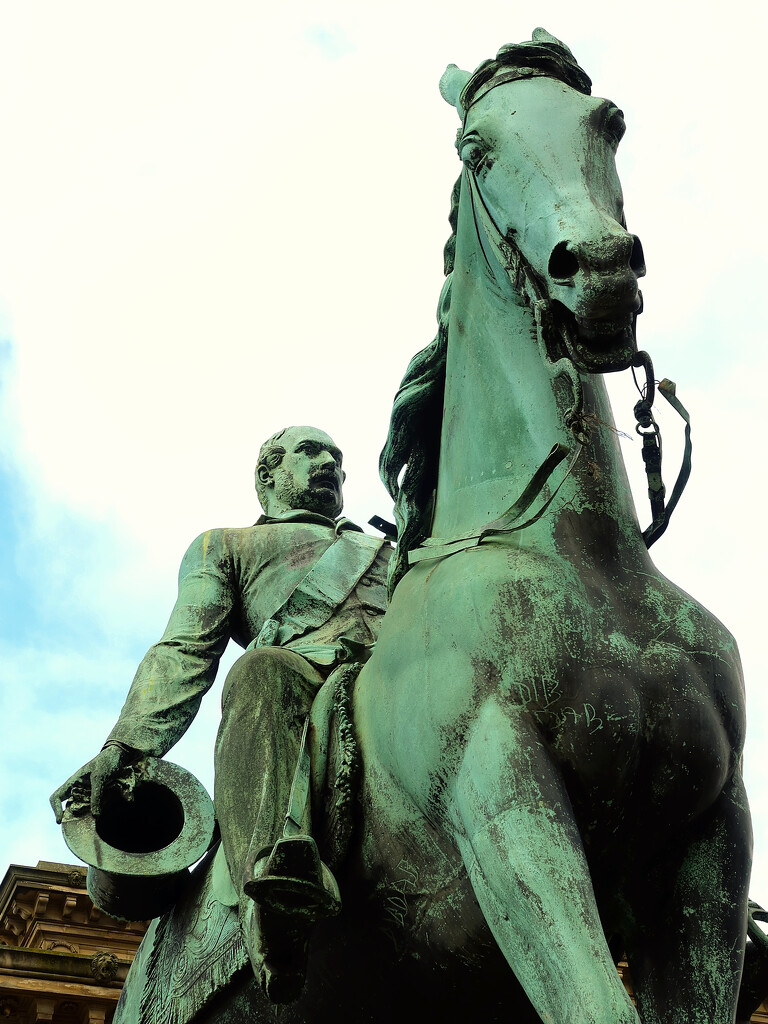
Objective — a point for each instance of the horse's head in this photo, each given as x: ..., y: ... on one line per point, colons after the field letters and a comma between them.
x: 539, y: 153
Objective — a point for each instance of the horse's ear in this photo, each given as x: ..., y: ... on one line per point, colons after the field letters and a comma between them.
x: 451, y: 84
x: 540, y: 35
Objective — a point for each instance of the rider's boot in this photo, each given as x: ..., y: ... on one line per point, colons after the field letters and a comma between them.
x: 292, y: 889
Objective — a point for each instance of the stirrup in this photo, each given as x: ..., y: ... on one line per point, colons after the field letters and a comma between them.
x: 291, y: 879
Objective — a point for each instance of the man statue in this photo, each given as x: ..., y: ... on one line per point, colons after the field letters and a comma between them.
x: 300, y: 590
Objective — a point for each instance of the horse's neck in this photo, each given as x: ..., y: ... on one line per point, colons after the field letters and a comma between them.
x: 503, y: 412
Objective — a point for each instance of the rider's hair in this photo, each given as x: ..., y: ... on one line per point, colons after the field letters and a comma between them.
x: 270, y: 455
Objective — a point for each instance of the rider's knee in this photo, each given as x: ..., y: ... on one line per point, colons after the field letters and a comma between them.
x: 272, y: 674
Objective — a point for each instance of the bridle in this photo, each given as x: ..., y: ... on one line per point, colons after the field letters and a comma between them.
x: 526, y: 280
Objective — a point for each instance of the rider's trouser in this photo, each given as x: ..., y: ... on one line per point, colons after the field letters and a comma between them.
x: 267, y: 696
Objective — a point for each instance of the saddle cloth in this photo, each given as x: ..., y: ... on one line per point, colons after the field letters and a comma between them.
x: 196, y: 950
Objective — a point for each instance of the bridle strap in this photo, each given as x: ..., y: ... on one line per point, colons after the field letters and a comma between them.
x: 507, y: 255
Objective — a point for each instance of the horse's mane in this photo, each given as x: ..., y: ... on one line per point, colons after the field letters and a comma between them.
x: 543, y: 55
x: 408, y: 463
x: 413, y: 441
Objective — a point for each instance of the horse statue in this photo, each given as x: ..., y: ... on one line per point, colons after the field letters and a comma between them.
x: 549, y: 730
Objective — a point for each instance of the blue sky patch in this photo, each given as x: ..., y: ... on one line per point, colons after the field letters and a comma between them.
x: 16, y: 589
x: 331, y: 40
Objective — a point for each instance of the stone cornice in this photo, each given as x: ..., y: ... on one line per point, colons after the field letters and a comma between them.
x: 54, y: 966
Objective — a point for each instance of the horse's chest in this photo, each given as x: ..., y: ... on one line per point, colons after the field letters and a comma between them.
x: 649, y: 739
x: 643, y: 704
x: 636, y: 688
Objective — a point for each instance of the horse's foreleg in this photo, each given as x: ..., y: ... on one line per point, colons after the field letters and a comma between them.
x: 518, y: 838
x: 686, y: 961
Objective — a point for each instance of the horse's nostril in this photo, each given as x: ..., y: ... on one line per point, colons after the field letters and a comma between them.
x: 637, y: 258
x: 563, y: 264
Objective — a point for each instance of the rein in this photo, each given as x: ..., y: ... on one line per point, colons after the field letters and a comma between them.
x: 648, y: 429
x: 511, y: 259
x: 435, y: 547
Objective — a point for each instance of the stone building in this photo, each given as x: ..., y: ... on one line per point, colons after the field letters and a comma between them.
x: 61, y: 959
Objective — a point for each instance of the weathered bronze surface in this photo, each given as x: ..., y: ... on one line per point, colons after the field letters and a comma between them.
x: 580, y: 719
x: 303, y: 591
x: 549, y: 732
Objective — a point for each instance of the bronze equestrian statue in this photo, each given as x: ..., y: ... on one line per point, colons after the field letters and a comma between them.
x: 549, y: 732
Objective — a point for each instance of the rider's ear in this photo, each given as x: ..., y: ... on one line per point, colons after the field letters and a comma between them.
x: 263, y: 475
x: 451, y: 84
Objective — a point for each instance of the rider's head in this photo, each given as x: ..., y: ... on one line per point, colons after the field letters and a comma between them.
x: 300, y: 467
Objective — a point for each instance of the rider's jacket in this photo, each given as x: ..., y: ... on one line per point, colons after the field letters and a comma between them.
x: 230, y: 583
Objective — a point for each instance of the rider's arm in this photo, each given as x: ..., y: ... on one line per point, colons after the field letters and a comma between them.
x: 176, y: 672
x: 171, y: 680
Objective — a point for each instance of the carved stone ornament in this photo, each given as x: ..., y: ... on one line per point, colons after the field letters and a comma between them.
x: 104, y: 965
x: 61, y: 946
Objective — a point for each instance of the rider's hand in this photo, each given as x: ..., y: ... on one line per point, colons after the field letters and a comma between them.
x: 96, y: 777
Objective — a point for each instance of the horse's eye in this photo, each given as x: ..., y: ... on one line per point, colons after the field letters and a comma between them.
x: 473, y: 154
x: 615, y: 126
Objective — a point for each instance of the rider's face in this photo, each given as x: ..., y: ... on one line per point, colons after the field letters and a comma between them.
x: 310, y: 474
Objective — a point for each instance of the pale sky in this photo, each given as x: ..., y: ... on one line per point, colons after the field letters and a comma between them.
x: 218, y: 219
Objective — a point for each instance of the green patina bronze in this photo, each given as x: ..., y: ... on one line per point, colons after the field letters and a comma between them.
x: 546, y: 700
x: 303, y: 592
x: 549, y: 732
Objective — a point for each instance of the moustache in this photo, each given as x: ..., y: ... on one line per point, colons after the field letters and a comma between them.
x: 324, y: 479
